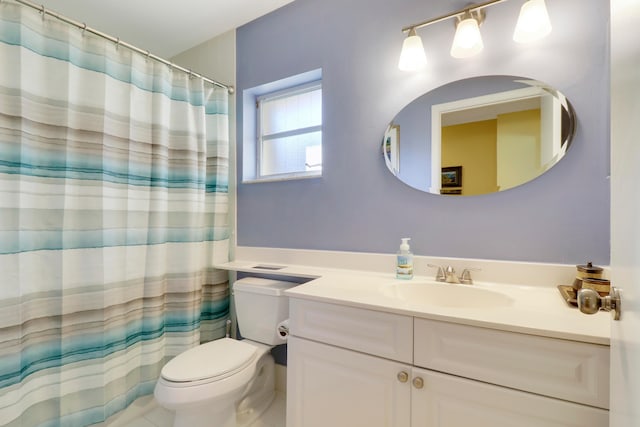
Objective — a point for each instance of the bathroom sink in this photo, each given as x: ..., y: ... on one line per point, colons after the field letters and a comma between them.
x: 446, y: 295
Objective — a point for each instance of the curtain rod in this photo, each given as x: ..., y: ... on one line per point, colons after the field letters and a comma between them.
x: 118, y: 42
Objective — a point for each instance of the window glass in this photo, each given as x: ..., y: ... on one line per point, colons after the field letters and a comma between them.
x: 298, y: 153
x: 290, y: 132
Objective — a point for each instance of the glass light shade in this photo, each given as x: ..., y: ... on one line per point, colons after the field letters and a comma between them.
x: 412, y: 57
x: 533, y: 22
x: 467, y: 41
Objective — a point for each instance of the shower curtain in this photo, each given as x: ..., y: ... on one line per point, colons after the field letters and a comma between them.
x: 113, y: 211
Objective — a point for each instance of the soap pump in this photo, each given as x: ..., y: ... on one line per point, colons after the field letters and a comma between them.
x: 404, y: 261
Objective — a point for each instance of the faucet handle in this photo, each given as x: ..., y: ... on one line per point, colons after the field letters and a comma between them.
x: 465, y: 277
x: 440, y: 274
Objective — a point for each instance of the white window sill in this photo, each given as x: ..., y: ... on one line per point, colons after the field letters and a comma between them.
x: 287, y: 177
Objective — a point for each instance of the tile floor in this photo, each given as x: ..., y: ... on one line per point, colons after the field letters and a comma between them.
x: 145, y: 412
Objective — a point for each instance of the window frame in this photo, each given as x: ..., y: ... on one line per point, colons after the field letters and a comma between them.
x: 260, y: 138
x: 247, y: 140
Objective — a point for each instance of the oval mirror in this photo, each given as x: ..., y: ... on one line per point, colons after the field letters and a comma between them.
x: 479, y: 135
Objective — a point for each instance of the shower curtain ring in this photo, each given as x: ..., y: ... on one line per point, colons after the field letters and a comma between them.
x: 147, y: 56
x: 43, y: 11
x: 118, y: 43
x: 84, y: 28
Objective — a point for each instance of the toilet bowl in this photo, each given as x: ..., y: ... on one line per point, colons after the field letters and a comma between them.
x: 227, y: 381
x: 200, y: 395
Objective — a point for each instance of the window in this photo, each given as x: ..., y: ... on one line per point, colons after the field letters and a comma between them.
x: 281, y: 129
x: 289, y: 133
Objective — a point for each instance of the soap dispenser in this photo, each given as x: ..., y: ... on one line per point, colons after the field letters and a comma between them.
x: 404, y: 261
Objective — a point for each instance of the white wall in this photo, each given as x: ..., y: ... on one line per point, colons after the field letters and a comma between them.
x: 216, y: 59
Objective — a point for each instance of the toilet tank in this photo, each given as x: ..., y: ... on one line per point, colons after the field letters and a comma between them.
x: 260, y: 305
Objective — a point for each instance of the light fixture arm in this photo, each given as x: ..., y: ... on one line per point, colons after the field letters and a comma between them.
x: 477, y: 14
x: 469, y: 9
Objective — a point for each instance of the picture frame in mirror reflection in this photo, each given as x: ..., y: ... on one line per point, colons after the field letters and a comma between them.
x: 452, y: 176
x: 391, y: 148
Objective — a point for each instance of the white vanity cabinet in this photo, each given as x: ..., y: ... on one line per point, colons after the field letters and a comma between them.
x: 352, y: 367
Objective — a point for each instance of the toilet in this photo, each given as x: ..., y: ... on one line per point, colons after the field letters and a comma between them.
x: 229, y: 382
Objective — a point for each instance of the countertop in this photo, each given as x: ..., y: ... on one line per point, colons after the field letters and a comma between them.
x: 534, y: 310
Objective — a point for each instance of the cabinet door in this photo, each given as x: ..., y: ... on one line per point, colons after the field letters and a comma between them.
x: 450, y: 401
x: 330, y: 386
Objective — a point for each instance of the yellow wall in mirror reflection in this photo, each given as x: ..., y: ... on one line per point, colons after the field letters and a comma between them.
x: 519, y: 148
x: 494, y: 154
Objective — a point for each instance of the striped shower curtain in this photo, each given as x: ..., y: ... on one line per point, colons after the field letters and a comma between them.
x: 113, y: 211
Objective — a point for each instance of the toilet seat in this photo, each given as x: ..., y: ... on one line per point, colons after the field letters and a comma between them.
x: 209, y: 362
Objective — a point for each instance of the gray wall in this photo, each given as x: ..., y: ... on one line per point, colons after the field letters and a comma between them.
x: 358, y: 205
x: 216, y: 58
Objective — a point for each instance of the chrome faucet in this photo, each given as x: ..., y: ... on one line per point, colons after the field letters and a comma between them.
x: 448, y: 275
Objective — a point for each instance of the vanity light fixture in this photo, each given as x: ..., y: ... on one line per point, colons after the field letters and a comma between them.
x: 412, y: 56
x: 533, y: 24
x: 468, y: 41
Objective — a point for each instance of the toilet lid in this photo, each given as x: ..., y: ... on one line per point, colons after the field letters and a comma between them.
x: 218, y: 358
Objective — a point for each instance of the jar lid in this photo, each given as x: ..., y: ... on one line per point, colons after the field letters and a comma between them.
x: 589, y: 268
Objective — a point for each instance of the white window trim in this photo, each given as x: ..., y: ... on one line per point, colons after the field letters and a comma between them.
x: 285, y: 177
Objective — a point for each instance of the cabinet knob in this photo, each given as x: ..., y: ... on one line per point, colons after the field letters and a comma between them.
x: 418, y: 382
x: 403, y: 376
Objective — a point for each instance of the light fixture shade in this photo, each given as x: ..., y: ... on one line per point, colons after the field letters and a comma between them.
x: 533, y: 22
x: 412, y: 57
x: 468, y: 40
